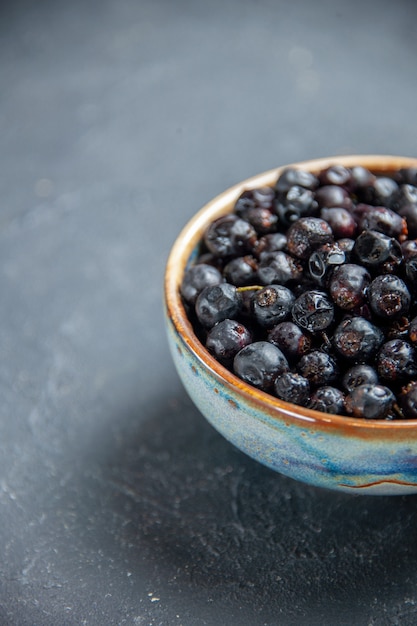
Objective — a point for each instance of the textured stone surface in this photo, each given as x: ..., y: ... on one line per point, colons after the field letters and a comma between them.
x: 119, y: 503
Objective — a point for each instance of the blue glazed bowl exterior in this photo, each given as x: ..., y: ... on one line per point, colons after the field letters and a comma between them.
x: 352, y: 455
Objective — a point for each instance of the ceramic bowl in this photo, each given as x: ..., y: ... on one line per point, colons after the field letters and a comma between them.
x: 353, y: 455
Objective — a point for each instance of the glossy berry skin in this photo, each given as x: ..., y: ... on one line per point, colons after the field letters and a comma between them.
x: 259, y: 364
x: 333, y: 196
x: 318, y: 367
x: 292, y: 176
x: 297, y: 202
x: 361, y: 178
x: 408, y: 400
x: 226, y: 339
x: 409, y: 212
x: 230, y: 235
x: 241, y: 271
x: 271, y: 242
x: 289, y: 338
x: 348, y: 284
x: 370, y: 401
x: 412, y: 331
x: 307, y: 234
x: 388, y: 296
x: 397, y: 360
x: 407, y: 175
x: 381, y: 219
x: 217, y: 303
x: 397, y: 328
x: 374, y: 250
x: 409, y: 249
x: 313, y: 311
x: 336, y: 175
x: 263, y: 220
x: 196, y: 278
x: 407, y: 194
x: 279, y: 267
x: 341, y: 221
x: 328, y: 400
x: 360, y: 374
x: 259, y: 198
x: 292, y: 387
x: 381, y: 192
x: 323, y: 260
x: 346, y: 244
x: 355, y: 338
x: 272, y: 305
x: 411, y: 272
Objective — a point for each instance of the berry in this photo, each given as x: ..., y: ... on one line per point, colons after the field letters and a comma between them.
x: 381, y: 191
x: 196, y: 278
x: 306, y: 234
x: 411, y: 272
x: 406, y: 195
x: 409, y: 249
x: 361, y: 178
x: 398, y: 328
x: 230, y: 235
x: 409, y: 213
x: 370, y: 401
x: 271, y: 242
x: 346, y: 244
x: 297, y: 202
x: 313, y: 311
x: 217, y: 303
x: 292, y: 387
x: 292, y: 176
x: 412, y: 331
x: 360, y: 374
x: 259, y: 364
x: 408, y: 400
x: 336, y: 175
x: 263, y: 220
x: 407, y: 175
x: 279, y: 267
x: 323, y: 260
x: 348, y: 284
x: 374, y: 250
x: 328, y: 400
x: 318, y: 367
x: 357, y: 339
x: 397, y: 360
x: 260, y: 198
x: 341, y: 221
x: 272, y: 305
x: 333, y: 196
x: 289, y: 338
x: 225, y: 340
x: 241, y: 270
x: 388, y: 296
x: 380, y: 219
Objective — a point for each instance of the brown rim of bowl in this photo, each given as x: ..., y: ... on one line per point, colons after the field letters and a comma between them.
x: 190, y: 236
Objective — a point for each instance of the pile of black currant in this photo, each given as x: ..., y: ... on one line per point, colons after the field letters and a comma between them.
x: 308, y: 290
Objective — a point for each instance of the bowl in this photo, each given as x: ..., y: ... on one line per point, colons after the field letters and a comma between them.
x: 353, y: 455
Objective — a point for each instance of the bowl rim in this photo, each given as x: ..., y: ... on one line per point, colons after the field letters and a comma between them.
x: 179, y: 256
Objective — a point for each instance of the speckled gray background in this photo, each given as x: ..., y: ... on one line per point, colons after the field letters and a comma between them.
x: 118, y: 120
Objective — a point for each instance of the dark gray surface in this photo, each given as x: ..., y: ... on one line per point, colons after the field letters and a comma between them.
x: 119, y: 503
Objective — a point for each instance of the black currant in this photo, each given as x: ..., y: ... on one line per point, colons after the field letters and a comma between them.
x: 370, y: 401
x: 259, y: 364
x: 217, y: 303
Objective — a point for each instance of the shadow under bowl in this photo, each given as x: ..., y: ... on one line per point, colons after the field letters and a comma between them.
x: 352, y: 455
